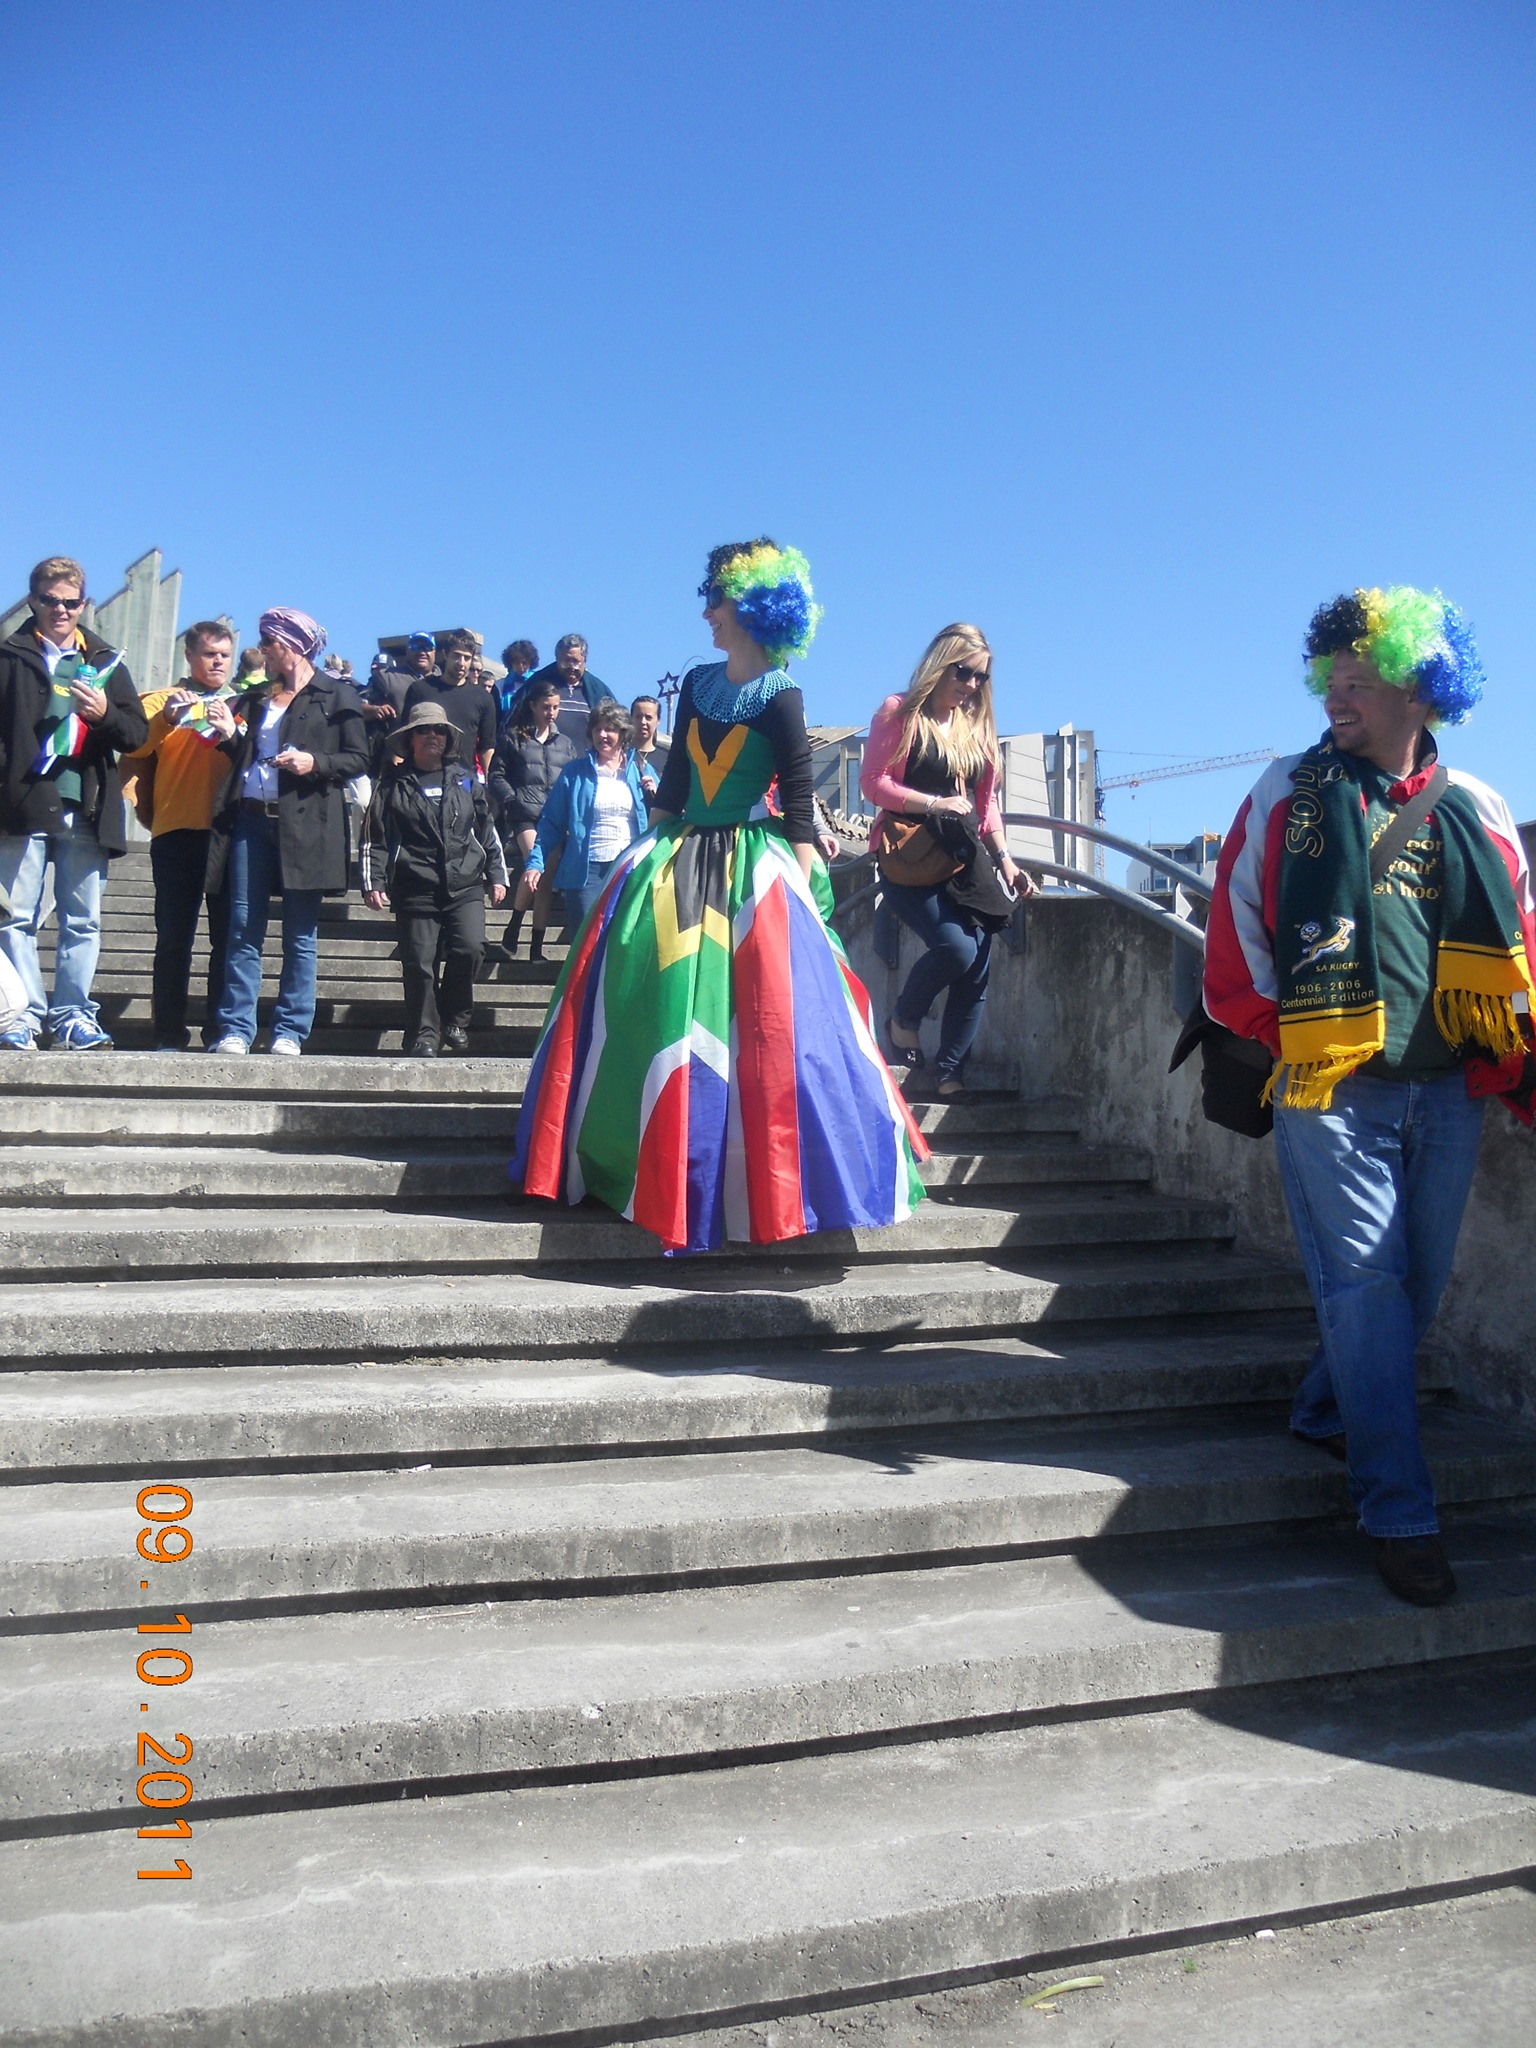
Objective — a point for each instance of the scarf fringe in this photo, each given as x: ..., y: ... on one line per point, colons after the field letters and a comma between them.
x: 1310, y: 1085
x: 1463, y: 1014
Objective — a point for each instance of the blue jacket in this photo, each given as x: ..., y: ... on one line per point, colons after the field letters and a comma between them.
x: 568, y: 816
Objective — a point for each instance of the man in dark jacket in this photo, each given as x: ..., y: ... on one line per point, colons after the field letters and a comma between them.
x: 68, y: 708
x: 457, y: 688
x: 580, y: 690
x: 431, y: 853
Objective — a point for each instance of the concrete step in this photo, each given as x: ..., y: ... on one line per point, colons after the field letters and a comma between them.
x: 267, y: 1235
x: 509, y: 1689
x: 417, y: 1535
x: 639, y: 1904
x: 203, y: 1106
x: 376, y: 1006
x: 711, y: 1300
x: 190, y: 1418
x: 317, y: 1077
x: 170, y: 1170
x: 378, y: 1040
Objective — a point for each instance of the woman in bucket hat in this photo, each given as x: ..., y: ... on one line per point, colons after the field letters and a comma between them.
x: 431, y: 854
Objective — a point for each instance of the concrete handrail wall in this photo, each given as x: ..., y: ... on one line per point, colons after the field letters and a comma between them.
x: 1084, y: 1008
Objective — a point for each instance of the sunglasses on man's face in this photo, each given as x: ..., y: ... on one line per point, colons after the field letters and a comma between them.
x: 971, y: 675
x: 62, y: 604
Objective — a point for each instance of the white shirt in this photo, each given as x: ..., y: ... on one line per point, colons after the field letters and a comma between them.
x: 612, y: 809
x: 260, y: 781
x: 54, y: 655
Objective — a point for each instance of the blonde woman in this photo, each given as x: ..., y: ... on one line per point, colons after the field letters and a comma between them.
x: 930, y: 753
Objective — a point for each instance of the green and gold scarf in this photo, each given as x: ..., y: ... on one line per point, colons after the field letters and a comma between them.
x: 1332, y: 1013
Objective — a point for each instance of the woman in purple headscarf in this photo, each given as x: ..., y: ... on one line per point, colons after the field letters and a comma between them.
x: 282, y: 827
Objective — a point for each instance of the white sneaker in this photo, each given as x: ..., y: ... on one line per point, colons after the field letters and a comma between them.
x: 229, y: 1044
x: 286, y: 1048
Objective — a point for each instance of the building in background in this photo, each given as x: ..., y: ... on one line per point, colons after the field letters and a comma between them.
x: 1198, y: 853
x: 1051, y: 774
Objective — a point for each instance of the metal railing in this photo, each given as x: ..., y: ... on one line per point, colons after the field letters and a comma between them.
x: 1182, y: 929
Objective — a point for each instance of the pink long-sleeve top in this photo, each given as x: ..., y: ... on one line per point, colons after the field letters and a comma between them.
x: 878, y: 777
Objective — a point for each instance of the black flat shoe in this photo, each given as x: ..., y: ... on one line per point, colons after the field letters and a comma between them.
x: 456, y: 1039
x: 903, y: 1059
x: 1415, y: 1568
x: 421, y: 1049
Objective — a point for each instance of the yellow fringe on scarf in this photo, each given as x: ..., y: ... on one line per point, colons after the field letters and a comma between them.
x: 1311, y: 1085
x: 1488, y: 1020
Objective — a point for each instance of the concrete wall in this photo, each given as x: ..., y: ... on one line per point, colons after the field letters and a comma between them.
x: 1086, y: 1008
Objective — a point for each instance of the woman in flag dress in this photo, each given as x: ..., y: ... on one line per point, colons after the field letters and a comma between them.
x: 708, y: 1067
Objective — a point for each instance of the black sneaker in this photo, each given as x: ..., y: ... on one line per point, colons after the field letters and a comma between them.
x: 1415, y: 1568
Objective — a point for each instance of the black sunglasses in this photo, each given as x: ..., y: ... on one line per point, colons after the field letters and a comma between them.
x: 971, y: 675
x: 712, y: 595
x: 62, y: 604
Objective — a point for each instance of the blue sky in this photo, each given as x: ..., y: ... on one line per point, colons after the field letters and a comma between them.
x: 1128, y: 332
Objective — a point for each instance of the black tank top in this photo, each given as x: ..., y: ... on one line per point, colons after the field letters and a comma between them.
x: 928, y: 771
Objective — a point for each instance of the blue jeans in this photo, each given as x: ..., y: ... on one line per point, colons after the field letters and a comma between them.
x: 79, y: 869
x: 955, y: 958
x: 1376, y: 1187
x: 252, y: 879
x: 578, y: 902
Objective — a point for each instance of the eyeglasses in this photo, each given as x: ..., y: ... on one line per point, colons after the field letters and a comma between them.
x: 965, y: 674
x: 62, y: 604
x: 712, y: 595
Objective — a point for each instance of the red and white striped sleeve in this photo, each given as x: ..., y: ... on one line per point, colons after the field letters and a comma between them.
x: 1498, y: 821
x: 1241, y: 986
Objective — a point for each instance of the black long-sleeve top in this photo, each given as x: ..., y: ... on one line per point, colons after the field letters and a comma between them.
x: 782, y: 724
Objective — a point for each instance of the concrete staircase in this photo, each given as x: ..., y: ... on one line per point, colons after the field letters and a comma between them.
x: 359, y: 1001
x: 589, y: 1644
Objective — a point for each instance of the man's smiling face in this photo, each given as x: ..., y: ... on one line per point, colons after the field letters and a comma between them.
x: 1370, y: 718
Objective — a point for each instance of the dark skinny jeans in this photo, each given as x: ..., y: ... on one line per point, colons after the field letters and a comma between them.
x: 179, y: 862
x: 956, y: 959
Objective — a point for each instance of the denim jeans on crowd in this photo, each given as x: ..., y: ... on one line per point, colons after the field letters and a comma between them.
x: 179, y: 862
x: 955, y: 958
x: 1376, y: 1186
x: 79, y: 869
x: 253, y: 878
x: 579, y: 901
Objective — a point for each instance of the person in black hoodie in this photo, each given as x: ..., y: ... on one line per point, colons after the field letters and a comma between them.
x: 431, y: 853
x: 68, y: 708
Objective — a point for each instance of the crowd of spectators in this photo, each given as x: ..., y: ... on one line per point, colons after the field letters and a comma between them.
x: 268, y: 778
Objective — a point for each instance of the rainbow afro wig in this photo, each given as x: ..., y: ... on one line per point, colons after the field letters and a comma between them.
x: 1415, y: 639
x: 770, y: 587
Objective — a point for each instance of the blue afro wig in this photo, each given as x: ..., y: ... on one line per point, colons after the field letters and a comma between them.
x: 771, y: 589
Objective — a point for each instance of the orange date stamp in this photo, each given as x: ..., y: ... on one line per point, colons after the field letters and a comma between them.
x: 163, y: 1784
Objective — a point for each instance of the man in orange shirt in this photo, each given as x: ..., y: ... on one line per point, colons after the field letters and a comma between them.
x: 189, y: 773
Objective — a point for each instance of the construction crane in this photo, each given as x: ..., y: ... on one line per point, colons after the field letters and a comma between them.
x: 1204, y: 767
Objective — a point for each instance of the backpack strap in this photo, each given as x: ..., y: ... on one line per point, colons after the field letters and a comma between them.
x: 1410, y: 819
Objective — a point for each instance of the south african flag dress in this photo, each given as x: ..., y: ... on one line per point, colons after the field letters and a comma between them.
x: 708, y: 1065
